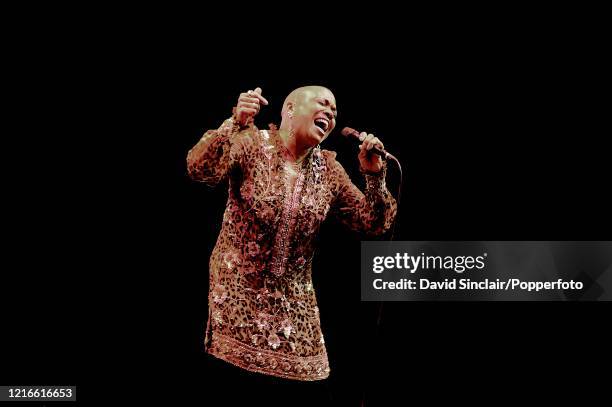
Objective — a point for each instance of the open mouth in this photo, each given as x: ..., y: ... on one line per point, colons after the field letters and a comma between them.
x: 322, y: 124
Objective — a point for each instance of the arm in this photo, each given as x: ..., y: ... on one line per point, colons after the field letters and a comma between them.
x: 216, y: 154
x: 371, y: 213
x: 220, y: 151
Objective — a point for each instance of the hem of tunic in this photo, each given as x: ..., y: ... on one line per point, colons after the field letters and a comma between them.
x: 256, y: 360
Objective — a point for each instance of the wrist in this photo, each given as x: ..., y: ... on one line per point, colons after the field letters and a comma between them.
x: 373, y: 172
x: 242, y: 124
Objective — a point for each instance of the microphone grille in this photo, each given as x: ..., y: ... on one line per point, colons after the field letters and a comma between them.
x: 347, y: 131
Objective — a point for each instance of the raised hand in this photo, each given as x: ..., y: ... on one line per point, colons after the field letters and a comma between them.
x: 249, y: 104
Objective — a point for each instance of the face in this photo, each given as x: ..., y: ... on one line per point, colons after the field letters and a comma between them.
x: 314, y: 115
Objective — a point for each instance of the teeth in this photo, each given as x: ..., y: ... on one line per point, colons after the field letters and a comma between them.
x: 324, y: 123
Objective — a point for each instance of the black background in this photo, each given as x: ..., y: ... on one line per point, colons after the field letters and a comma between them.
x: 106, y: 281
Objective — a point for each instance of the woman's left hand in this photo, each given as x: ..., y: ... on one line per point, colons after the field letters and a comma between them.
x: 370, y: 162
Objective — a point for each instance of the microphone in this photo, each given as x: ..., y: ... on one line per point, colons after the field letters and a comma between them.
x: 354, y: 134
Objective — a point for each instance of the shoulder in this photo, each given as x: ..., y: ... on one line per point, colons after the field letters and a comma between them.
x: 330, y: 160
x: 334, y: 168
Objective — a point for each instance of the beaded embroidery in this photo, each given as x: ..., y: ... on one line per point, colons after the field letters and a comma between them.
x: 263, y: 313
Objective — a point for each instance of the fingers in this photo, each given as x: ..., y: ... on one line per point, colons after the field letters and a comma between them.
x: 257, y: 94
x: 248, y: 101
x: 244, y: 97
x: 249, y: 105
x: 370, y: 162
x: 248, y: 110
x: 376, y: 142
x: 363, y: 154
x: 369, y: 141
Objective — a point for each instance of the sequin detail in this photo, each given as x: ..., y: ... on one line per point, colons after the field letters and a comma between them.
x: 263, y: 313
x: 268, y: 362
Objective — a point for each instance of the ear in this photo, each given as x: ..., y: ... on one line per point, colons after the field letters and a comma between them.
x: 290, y: 107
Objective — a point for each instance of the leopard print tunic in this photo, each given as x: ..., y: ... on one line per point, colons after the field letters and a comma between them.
x: 263, y: 313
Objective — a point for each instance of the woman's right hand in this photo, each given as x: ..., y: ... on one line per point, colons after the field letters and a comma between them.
x: 248, y: 105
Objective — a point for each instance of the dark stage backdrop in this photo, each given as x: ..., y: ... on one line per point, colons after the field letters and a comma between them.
x: 489, y: 151
x: 494, y: 148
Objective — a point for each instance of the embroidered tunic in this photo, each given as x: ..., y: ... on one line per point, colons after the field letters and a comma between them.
x: 263, y: 313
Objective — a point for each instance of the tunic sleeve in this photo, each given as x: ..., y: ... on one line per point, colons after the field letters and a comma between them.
x: 217, y: 153
x: 372, y: 212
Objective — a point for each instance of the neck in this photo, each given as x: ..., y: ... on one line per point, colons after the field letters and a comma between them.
x: 292, y: 144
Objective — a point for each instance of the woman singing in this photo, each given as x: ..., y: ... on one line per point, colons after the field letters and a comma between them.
x: 263, y: 314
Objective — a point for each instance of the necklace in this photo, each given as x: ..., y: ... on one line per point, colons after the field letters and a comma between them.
x: 288, y: 155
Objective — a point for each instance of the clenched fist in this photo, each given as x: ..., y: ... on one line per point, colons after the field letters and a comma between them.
x: 248, y: 106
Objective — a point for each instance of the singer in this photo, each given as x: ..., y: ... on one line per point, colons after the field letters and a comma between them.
x: 263, y: 314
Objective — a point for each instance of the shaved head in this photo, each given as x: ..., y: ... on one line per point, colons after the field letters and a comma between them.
x: 297, y: 95
x: 309, y: 115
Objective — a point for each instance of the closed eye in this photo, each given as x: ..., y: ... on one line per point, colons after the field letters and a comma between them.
x: 325, y: 102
